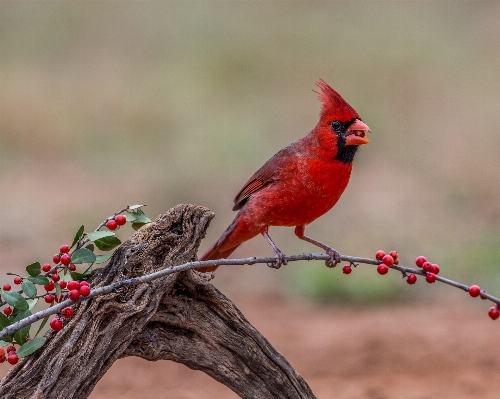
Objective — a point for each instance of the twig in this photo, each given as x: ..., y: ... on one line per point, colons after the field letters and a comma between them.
x: 220, y: 262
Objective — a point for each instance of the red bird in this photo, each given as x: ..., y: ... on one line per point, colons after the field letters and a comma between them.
x: 299, y: 183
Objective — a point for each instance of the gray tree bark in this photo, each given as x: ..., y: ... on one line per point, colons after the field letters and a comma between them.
x: 181, y: 317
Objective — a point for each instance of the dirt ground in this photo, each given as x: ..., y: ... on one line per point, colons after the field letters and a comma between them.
x: 399, y: 351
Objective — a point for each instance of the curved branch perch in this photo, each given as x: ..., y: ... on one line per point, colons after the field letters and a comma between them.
x: 179, y: 317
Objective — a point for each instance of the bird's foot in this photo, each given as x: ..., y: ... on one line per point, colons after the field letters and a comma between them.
x: 280, y: 259
x: 334, y: 257
x: 280, y: 256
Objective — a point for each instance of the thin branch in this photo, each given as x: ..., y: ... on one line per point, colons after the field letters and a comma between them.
x: 220, y: 262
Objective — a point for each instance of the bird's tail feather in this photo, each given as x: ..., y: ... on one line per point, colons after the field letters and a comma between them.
x: 240, y: 230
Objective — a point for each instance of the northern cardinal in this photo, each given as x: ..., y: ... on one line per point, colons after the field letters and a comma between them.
x: 299, y: 183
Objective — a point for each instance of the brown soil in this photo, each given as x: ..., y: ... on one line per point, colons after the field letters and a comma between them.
x: 401, y: 351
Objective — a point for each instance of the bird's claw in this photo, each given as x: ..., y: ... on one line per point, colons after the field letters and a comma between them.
x: 280, y: 260
x: 334, y: 257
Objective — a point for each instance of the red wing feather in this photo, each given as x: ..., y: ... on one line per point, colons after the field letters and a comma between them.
x: 258, y: 181
x: 263, y: 176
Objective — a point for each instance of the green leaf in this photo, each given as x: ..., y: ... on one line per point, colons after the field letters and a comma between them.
x: 137, y: 226
x: 142, y: 218
x: 31, y: 346
x: 99, y: 234
x: 21, y: 335
x: 138, y: 219
x: 32, y: 303
x: 83, y: 255
x: 3, y: 343
x: 78, y: 235
x: 103, y: 258
x: 14, y: 299
x: 137, y: 206
x: 4, y: 321
x: 58, y: 290
x: 90, y: 247
x: 29, y: 288
x: 132, y: 216
x: 80, y: 276
x: 40, y: 280
x: 107, y: 243
x: 34, y: 269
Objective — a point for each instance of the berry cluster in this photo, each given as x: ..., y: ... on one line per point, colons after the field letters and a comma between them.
x: 431, y: 269
x: 63, y: 256
x: 56, y: 324
x: 118, y: 220
x: 60, y: 280
x: 10, y: 356
x: 386, y: 261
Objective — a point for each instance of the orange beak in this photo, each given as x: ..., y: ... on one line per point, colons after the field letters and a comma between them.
x: 356, y: 133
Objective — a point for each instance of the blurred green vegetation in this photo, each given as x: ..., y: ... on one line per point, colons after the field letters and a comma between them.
x: 103, y: 105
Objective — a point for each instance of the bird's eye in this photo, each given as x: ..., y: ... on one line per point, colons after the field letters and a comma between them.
x: 336, y: 126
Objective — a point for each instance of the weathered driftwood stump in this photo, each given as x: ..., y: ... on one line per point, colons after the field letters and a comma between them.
x: 181, y: 317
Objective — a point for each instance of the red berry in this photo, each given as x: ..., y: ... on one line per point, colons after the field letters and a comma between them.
x: 430, y: 277
x: 12, y: 359
x: 73, y: 295
x: 46, y: 267
x: 18, y: 280
x: 482, y: 296
x: 56, y: 277
x: 56, y: 258
x: 11, y: 349
x: 49, y: 286
x: 72, y: 267
x: 120, y: 220
x: 347, y: 269
x: 493, y: 312
x: 63, y: 284
x: 427, y: 266
x: 66, y: 259
x: 394, y: 254
x: 84, y: 283
x: 434, y: 268
x: 474, y: 291
x: 56, y: 324
x: 2, y: 359
x: 7, y: 311
x: 420, y: 261
x: 64, y: 249
x: 2, y: 352
x: 67, y: 312
x: 379, y: 255
x: 388, y: 260
x: 411, y: 279
x: 111, y: 224
x: 49, y: 298
x: 382, y: 269
x: 396, y: 261
x: 84, y: 290
x: 7, y: 287
x: 73, y: 285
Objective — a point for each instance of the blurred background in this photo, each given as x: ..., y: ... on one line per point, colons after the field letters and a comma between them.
x: 106, y: 104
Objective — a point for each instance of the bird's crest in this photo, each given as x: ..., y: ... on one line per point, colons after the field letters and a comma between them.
x: 334, y: 106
